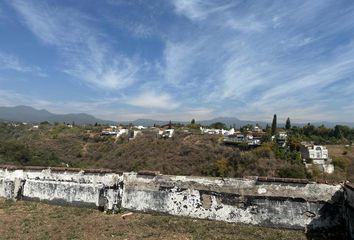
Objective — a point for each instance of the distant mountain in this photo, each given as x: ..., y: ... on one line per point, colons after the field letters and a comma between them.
x: 233, y: 122
x: 29, y: 114
x: 147, y: 122
x: 228, y: 121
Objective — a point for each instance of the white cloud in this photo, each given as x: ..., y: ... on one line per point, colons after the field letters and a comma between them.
x: 246, y: 24
x: 12, y: 62
x: 179, y: 60
x: 151, y: 99
x: 199, y: 9
x: 249, y: 59
x: 263, y: 66
x: 82, y: 47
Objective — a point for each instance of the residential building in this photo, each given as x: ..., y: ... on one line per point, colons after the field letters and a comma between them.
x: 316, y: 154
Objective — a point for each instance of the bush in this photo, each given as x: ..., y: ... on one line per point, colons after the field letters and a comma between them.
x: 293, y: 171
x: 221, y: 167
x: 314, y: 172
x: 341, y: 163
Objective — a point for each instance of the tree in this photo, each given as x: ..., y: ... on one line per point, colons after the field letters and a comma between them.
x: 309, y: 130
x: 170, y: 125
x: 337, y: 132
x: 218, y: 125
x: 287, y: 124
x: 274, y: 125
x: 193, y: 121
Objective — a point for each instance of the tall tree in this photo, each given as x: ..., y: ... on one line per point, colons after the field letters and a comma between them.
x: 287, y: 124
x: 170, y: 125
x: 193, y: 121
x: 337, y: 132
x: 274, y: 125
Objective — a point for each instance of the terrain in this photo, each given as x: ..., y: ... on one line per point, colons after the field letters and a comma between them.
x: 185, y: 154
x: 31, y: 220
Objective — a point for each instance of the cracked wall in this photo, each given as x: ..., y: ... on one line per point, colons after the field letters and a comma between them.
x: 295, y: 204
x: 349, y: 210
x: 99, y: 190
x: 288, y: 205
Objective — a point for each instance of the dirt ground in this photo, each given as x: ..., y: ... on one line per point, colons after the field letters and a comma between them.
x: 32, y: 220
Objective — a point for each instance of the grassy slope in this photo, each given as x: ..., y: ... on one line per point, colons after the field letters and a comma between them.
x: 346, y: 153
x: 183, y: 155
x: 29, y: 220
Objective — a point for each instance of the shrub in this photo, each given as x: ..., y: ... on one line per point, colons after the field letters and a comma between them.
x: 341, y: 163
x: 292, y: 171
x: 314, y: 172
x: 220, y: 167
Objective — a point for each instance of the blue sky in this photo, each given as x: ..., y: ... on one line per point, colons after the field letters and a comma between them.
x: 180, y: 59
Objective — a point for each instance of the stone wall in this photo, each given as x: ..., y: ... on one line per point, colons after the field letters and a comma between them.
x: 285, y: 203
x: 289, y: 204
x: 63, y: 186
x: 349, y: 209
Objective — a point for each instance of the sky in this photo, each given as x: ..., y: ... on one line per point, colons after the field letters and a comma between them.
x: 180, y: 59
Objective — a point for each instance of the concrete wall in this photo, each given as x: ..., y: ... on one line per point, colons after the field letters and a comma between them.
x: 349, y: 210
x: 102, y: 190
x: 295, y: 204
x: 250, y: 201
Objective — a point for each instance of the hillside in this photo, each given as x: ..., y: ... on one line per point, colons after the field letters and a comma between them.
x: 185, y: 154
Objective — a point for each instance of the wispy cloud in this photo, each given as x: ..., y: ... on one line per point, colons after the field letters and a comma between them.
x: 248, y: 59
x: 12, y: 62
x: 199, y: 9
x: 151, y: 99
x: 265, y: 66
x: 84, y: 49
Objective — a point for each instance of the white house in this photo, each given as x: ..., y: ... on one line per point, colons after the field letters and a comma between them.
x: 168, y: 133
x: 121, y: 132
x: 316, y: 154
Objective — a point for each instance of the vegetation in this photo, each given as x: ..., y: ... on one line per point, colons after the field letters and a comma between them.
x: 30, y: 220
x: 274, y: 125
x: 218, y: 125
x: 287, y: 124
x: 323, y: 135
x: 185, y: 154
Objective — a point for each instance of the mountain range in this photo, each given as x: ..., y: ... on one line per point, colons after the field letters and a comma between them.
x: 30, y: 114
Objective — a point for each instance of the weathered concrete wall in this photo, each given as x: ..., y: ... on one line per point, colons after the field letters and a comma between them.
x: 349, y: 209
x: 63, y: 187
x: 288, y: 205
x: 295, y: 204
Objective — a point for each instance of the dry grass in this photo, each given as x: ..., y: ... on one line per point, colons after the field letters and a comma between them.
x: 30, y: 220
x: 346, y: 153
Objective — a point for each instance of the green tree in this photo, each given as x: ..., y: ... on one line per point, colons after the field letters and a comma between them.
x: 221, y: 167
x: 274, y: 125
x: 218, y: 125
x: 193, y: 121
x: 287, y: 124
x: 309, y: 130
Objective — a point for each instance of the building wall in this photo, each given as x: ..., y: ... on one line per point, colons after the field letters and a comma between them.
x: 287, y: 205
x: 312, y: 152
x: 349, y: 210
x: 295, y: 204
x: 77, y: 188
